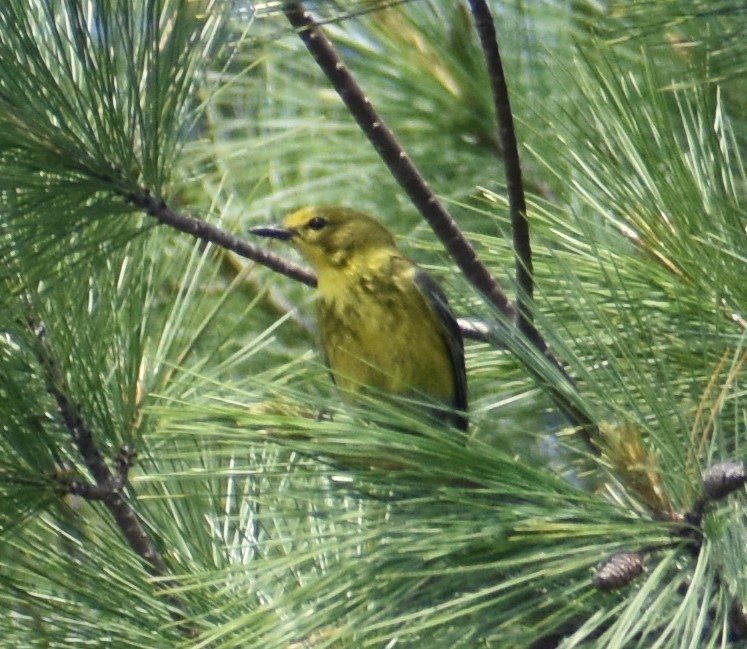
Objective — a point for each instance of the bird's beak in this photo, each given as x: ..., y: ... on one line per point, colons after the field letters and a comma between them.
x: 273, y: 231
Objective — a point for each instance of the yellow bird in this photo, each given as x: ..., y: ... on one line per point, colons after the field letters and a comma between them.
x: 384, y: 323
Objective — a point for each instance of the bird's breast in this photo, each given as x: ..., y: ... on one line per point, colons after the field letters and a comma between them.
x: 378, y: 330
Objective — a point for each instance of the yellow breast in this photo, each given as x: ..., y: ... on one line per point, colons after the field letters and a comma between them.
x: 379, y: 330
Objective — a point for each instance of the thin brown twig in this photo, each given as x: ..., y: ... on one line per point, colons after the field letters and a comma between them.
x: 524, y: 315
x: 158, y: 209
x: 83, y: 438
x: 512, y: 164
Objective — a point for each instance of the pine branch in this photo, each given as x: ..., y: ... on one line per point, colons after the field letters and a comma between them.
x: 523, y: 316
x: 109, y: 486
x: 160, y: 210
x: 88, y: 491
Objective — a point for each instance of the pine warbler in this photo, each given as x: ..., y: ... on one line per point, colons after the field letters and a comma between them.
x: 384, y: 323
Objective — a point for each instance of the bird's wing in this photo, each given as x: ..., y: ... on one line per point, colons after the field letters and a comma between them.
x: 452, y: 336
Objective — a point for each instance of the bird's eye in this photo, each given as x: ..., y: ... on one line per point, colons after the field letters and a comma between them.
x: 317, y: 223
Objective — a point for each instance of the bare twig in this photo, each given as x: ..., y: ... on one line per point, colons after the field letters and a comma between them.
x: 160, y: 210
x: 514, y: 185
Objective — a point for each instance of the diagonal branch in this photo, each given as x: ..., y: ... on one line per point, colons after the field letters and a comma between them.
x: 108, y: 485
x: 514, y: 185
x: 160, y: 210
x: 84, y: 440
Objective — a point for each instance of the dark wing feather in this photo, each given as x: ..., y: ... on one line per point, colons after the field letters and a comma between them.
x: 452, y: 336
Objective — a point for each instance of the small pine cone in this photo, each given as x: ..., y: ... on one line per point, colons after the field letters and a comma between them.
x: 618, y: 571
x: 723, y: 478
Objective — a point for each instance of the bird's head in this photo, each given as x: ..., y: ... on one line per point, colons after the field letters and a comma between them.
x: 331, y: 237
